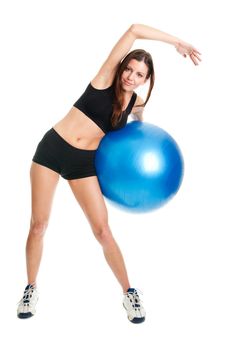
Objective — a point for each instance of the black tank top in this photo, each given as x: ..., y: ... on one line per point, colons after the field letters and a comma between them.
x: 98, y: 106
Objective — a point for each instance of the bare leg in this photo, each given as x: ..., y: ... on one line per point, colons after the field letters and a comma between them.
x: 89, y: 196
x: 43, y: 184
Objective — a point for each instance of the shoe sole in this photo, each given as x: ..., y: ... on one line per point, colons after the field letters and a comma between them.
x: 25, y: 315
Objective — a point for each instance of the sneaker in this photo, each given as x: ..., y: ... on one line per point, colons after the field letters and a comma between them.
x: 133, y: 306
x: 26, y: 306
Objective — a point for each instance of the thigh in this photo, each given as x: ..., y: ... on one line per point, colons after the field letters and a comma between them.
x: 43, y: 185
x: 88, y: 194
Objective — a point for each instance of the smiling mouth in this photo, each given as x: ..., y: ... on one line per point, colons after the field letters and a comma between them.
x: 126, y: 83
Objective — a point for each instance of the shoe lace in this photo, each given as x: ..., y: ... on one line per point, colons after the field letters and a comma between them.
x: 135, y: 296
x: 28, y: 292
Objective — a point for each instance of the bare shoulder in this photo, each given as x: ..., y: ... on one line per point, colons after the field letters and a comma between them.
x: 137, y: 110
x: 138, y: 101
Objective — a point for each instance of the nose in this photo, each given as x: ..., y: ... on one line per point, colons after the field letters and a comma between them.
x: 131, y: 76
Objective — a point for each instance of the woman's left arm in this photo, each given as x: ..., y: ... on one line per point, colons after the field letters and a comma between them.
x: 142, y: 31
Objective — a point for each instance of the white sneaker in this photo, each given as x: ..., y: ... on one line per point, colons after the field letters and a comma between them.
x: 133, y: 306
x: 26, y: 306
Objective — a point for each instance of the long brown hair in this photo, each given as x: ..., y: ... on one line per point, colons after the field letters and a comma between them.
x: 139, y: 55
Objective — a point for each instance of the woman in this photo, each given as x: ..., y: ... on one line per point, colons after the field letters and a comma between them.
x: 68, y: 149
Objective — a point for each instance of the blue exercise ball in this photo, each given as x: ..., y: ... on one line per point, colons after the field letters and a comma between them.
x: 139, y: 167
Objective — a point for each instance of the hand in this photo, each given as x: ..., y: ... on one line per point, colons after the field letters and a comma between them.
x: 186, y: 49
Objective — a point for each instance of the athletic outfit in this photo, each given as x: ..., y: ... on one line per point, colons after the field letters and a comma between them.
x: 69, y: 161
x: 73, y: 163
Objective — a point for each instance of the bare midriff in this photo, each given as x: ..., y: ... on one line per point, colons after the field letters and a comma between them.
x: 79, y: 130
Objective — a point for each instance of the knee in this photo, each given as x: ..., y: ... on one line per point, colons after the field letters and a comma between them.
x: 38, y: 228
x: 102, y: 233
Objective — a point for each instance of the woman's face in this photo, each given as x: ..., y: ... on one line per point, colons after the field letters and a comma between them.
x: 134, y: 75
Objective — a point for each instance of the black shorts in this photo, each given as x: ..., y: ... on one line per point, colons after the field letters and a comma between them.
x: 68, y: 161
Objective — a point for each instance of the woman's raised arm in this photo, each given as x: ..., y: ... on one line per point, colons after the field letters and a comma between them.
x: 142, y: 31
x: 106, y: 74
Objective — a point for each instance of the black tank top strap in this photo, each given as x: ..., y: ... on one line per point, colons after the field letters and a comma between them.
x: 133, y: 99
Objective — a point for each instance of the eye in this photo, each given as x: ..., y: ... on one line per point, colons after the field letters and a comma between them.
x: 140, y: 75
x: 127, y: 68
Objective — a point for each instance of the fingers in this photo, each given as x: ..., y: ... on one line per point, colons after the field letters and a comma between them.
x: 199, y: 59
x: 188, y: 50
x: 196, y: 51
x: 194, y: 55
x: 194, y: 58
x: 194, y: 61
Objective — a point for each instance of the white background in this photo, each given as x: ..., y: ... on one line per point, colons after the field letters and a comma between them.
x: 181, y: 256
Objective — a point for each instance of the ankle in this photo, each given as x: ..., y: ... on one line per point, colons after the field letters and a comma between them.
x: 125, y: 289
x: 34, y: 283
